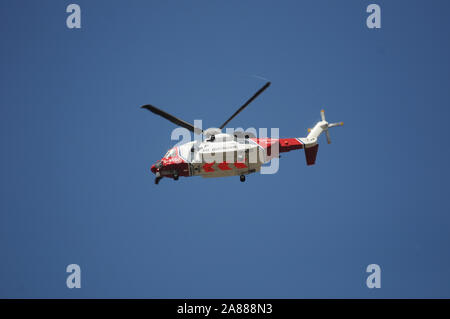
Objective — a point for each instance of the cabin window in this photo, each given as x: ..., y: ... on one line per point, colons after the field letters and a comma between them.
x: 170, y: 153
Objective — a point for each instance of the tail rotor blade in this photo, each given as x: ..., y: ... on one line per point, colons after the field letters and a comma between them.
x: 336, y: 124
x: 328, y: 137
x: 322, y: 115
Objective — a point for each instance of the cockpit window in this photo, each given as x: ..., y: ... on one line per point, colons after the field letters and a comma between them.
x: 170, y: 153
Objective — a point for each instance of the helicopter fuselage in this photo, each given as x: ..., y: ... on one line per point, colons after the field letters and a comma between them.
x: 225, y: 155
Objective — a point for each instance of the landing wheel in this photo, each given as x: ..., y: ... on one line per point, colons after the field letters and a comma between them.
x: 158, y: 178
x: 175, y: 177
x: 242, y: 178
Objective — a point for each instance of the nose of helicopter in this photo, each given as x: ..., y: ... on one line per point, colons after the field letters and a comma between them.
x: 156, y: 166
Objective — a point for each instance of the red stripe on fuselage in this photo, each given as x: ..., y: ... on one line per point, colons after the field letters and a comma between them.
x: 208, y: 167
x: 224, y: 166
x: 285, y: 144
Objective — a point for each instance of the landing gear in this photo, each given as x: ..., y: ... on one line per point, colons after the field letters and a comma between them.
x: 175, y: 176
x: 158, y: 178
x: 242, y: 178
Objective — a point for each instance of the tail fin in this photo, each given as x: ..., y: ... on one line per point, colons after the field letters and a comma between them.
x: 311, y: 154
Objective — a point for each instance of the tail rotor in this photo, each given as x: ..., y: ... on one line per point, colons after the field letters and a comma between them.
x: 325, y: 126
x: 311, y: 141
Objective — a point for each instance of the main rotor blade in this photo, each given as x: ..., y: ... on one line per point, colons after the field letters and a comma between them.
x: 172, y: 118
x: 245, y: 104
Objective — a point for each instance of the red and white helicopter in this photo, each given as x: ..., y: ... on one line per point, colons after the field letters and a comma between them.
x: 237, y: 154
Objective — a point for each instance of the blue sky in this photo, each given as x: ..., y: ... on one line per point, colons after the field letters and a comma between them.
x: 76, y: 149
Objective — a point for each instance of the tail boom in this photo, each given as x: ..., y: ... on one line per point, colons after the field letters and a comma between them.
x: 308, y: 143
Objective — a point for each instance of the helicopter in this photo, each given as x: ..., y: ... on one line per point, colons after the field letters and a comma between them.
x: 239, y: 154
